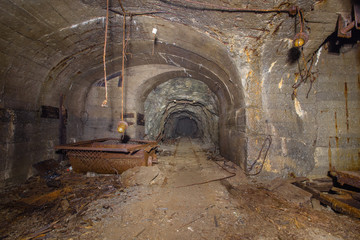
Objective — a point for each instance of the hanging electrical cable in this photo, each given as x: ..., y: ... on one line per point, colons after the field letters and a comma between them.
x: 301, y: 37
x: 104, y: 103
x: 249, y: 169
x: 195, y: 5
x: 122, y: 125
x: 123, y: 68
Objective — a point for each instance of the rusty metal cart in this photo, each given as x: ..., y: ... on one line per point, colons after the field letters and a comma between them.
x: 109, y: 155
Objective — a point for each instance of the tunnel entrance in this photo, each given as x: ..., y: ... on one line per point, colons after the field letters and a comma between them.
x: 186, y: 127
x: 182, y: 107
x: 183, y: 124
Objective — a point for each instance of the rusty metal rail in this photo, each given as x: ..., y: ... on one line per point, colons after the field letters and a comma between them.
x: 351, y: 178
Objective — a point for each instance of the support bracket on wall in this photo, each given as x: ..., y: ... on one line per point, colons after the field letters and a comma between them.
x: 345, y: 25
x: 357, y: 15
x: 346, y: 22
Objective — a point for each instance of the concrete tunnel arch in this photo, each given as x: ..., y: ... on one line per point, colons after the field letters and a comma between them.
x: 192, y: 102
x: 75, y: 75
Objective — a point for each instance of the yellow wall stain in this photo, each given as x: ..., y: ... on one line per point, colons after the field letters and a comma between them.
x: 281, y: 83
x: 298, y: 109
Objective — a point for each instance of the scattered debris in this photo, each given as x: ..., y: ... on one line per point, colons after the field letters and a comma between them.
x: 192, y: 221
x: 42, y: 209
x: 216, y: 222
x: 99, y: 207
x: 278, y: 182
x: 294, y: 194
x: 337, y: 204
x: 48, y: 170
x: 142, y: 176
x: 41, y: 231
x: 321, y: 184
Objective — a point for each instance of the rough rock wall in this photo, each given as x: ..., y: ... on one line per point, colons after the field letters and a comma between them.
x: 191, y: 97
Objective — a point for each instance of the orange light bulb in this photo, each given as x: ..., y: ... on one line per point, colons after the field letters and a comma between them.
x: 299, y: 42
x: 122, y: 126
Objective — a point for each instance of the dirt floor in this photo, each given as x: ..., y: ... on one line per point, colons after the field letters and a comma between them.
x: 165, y: 202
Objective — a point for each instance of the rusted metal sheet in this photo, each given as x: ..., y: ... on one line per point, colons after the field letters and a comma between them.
x: 108, y: 155
x: 351, y: 178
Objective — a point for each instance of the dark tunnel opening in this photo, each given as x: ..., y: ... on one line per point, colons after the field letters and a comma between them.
x: 186, y: 127
x: 182, y: 107
x: 183, y: 124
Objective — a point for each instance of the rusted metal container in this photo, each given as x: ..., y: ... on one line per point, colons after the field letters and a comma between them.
x: 109, y: 155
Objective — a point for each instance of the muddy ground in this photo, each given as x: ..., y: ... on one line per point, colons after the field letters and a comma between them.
x: 176, y: 199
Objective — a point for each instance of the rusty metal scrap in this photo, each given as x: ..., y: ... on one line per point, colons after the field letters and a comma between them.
x: 331, y: 201
x: 351, y: 178
x: 108, y: 155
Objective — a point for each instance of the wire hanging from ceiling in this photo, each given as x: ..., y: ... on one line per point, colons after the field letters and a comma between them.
x: 195, y: 5
x: 123, y: 63
x: 104, y: 103
x: 122, y: 125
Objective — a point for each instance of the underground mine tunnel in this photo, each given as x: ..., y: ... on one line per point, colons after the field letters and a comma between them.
x: 230, y: 77
x: 270, y: 86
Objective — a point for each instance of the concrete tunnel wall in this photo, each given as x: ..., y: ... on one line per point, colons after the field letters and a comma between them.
x: 50, y: 49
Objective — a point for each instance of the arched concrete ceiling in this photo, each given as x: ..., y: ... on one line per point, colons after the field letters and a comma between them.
x: 187, y: 49
x: 86, y: 70
x: 58, y: 53
x: 49, y: 46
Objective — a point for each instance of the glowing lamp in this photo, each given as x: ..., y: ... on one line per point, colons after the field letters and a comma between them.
x: 300, y: 39
x: 122, y: 126
x: 299, y: 42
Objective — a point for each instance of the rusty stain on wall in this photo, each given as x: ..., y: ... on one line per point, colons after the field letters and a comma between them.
x: 329, y: 153
x: 336, y: 125
x: 337, y: 139
x: 346, y: 109
x: 249, y: 52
